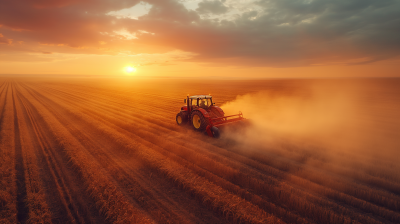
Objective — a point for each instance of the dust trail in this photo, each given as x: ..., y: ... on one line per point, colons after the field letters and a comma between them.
x: 322, y: 118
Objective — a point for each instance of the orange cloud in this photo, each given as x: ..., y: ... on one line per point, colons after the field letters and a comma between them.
x: 4, y: 40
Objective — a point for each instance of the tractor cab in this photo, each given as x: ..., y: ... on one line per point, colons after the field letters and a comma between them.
x: 199, y: 101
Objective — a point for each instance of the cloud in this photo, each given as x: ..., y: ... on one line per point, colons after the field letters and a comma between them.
x: 4, y: 40
x: 72, y: 23
x: 274, y: 33
x: 171, y: 11
x: 213, y: 7
x: 296, y: 33
x: 134, y: 12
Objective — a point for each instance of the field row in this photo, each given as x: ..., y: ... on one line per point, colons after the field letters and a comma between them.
x: 91, y: 153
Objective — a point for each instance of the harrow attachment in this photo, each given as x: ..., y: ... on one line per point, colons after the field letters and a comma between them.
x: 212, y: 129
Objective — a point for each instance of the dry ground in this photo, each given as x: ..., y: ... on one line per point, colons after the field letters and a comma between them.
x: 104, y: 150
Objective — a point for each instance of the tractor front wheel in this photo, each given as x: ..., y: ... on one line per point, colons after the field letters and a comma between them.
x: 181, y: 118
x: 198, y: 121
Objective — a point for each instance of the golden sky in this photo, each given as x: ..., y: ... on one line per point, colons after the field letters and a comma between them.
x: 198, y: 38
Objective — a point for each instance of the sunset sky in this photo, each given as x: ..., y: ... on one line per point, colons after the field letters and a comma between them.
x: 201, y: 38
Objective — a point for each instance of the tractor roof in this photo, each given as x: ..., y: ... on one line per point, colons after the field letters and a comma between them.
x: 200, y: 97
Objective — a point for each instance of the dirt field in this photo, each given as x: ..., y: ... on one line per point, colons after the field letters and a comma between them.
x: 108, y: 150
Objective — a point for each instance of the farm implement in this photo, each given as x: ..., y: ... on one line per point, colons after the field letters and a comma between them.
x: 204, y: 116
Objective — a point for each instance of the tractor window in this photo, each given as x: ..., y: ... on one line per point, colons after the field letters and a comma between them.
x: 194, y: 102
x: 205, y: 103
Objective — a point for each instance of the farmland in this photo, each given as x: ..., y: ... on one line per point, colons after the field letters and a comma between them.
x: 108, y: 150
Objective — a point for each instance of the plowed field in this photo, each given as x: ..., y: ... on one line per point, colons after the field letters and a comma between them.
x: 103, y: 150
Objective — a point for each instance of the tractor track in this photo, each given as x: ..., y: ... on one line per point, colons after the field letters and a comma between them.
x: 147, y: 134
x: 22, y: 208
x: 323, y: 203
x: 142, y: 136
x: 154, y: 110
x: 3, y: 104
x: 22, y: 214
x: 8, y: 181
x: 140, y: 101
x: 300, y: 157
x: 67, y: 200
x: 256, y: 165
x: 106, y: 103
x: 67, y: 160
x: 131, y: 180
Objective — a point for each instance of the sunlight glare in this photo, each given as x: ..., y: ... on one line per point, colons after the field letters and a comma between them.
x: 130, y: 69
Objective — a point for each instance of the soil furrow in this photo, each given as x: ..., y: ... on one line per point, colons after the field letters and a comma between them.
x: 148, y: 134
x: 67, y: 199
x: 108, y: 150
x: 142, y: 195
x: 109, y: 199
x: 22, y: 208
x: 3, y: 105
x: 299, y: 166
x: 197, y: 189
x: 37, y: 207
x: 8, y: 183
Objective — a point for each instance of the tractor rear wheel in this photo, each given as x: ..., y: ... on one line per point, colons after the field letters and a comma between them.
x: 198, y: 121
x: 181, y: 118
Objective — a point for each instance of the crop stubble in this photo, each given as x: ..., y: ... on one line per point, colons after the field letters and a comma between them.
x: 93, y: 151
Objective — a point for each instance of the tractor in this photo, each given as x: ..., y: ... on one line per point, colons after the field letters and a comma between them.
x: 204, y: 116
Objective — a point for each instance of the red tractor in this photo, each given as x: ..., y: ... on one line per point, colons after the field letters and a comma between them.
x: 203, y: 115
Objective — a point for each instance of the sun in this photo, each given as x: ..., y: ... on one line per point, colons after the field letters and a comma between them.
x: 130, y: 69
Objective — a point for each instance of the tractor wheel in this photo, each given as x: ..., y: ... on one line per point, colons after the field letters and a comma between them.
x: 181, y: 118
x: 198, y: 121
x: 215, y: 132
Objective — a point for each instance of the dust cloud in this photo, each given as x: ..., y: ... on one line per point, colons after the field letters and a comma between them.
x: 327, y: 120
